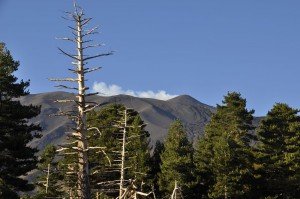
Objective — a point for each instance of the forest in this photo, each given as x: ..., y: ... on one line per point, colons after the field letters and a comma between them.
x: 107, y: 153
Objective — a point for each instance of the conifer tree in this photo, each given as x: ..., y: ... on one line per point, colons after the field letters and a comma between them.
x: 279, y: 152
x: 224, y: 156
x: 16, y: 157
x: 105, y: 177
x: 139, y: 153
x: 177, y: 162
x: 49, y: 183
x: 155, y: 168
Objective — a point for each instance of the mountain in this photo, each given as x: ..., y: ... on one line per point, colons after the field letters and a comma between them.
x: 157, y: 114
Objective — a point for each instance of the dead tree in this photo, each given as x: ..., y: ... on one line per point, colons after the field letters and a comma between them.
x: 129, y: 190
x: 118, y: 165
x: 79, y: 146
x: 121, y: 156
x: 47, y: 178
x: 45, y: 182
x: 176, y: 194
x: 123, y: 126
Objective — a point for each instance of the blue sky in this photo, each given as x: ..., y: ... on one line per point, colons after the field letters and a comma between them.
x: 200, y: 48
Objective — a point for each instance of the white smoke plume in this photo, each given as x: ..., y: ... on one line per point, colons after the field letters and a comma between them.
x: 113, y: 89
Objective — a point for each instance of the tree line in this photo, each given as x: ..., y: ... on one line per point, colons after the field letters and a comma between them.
x: 108, y: 155
x: 233, y: 158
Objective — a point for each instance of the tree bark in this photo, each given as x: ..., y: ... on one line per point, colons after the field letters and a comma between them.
x: 83, y: 165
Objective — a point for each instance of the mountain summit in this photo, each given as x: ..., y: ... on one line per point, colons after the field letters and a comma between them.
x: 157, y: 114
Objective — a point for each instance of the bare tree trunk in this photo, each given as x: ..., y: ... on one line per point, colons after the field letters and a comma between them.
x: 47, y: 178
x: 83, y: 106
x: 70, y: 194
x: 225, y: 192
x: 123, y: 156
x: 176, y: 192
x: 83, y: 165
x: 173, y: 196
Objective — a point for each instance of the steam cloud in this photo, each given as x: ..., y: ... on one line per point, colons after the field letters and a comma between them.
x: 113, y: 89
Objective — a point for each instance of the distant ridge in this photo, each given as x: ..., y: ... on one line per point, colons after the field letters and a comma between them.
x: 157, y: 114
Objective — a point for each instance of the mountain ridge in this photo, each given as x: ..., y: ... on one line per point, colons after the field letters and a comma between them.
x: 158, y: 114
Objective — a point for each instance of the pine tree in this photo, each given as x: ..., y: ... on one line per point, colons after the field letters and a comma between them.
x: 100, y: 163
x: 177, y: 162
x: 16, y: 157
x: 49, y: 183
x: 137, y: 160
x: 202, y: 158
x: 155, y: 168
x: 224, y: 156
x: 279, y: 152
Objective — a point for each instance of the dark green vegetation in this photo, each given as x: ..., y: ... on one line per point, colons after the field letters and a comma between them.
x: 233, y: 159
x: 278, y: 152
x: 50, y: 175
x: 104, y: 164
x: 137, y: 151
x: 224, y: 155
x: 16, y: 159
x: 177, y: 162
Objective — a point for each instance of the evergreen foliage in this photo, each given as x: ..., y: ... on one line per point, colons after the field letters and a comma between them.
x: 224, y: 157
x: 177, y: 162
x: 155, y: 166
x: 230, y: 161
x: 137, y: 159
x: 16, y: 158
x: 279, y: 152
x: 54, y: 187
x: 104, y: 120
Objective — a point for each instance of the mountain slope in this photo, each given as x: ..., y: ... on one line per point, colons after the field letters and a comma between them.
x: 156, y: 113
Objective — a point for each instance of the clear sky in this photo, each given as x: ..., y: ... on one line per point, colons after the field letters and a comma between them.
x: 203, y: 48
